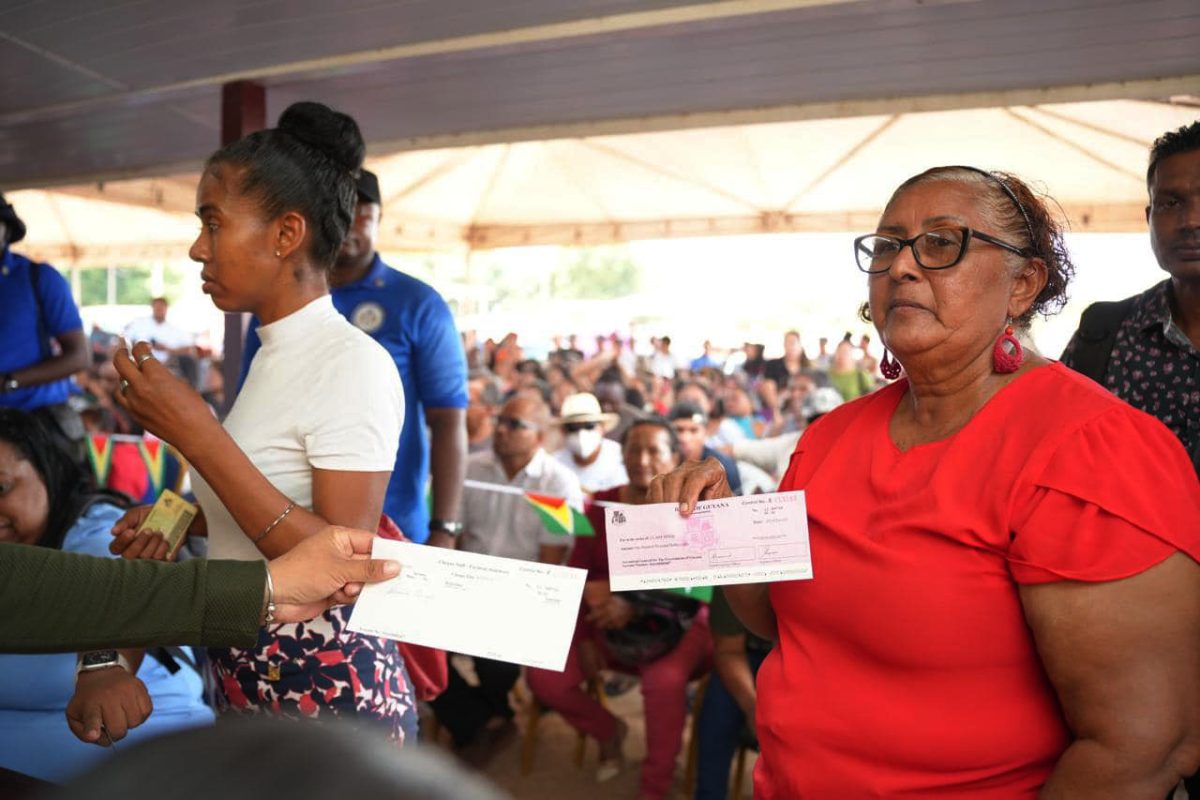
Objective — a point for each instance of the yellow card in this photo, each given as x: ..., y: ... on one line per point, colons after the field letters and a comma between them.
x: 171, y: 517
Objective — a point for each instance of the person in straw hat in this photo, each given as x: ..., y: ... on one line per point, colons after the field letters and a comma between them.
x: 595, y: 460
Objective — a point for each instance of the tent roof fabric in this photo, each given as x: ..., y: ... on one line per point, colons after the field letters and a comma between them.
x: 815, y: 175
x: 538, y: 121
x: 106, y: 89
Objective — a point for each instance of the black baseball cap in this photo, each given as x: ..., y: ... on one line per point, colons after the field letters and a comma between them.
x: 368, y: 188
x: 8, y: 215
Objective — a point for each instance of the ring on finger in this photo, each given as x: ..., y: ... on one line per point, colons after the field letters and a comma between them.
x: 124, y: 385
x: 143, y: 358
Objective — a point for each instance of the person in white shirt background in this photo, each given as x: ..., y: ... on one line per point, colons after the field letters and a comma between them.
x: 165, y: 339
x: 170, y: 345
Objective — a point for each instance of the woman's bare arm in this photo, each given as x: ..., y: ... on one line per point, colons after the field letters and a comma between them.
x: 1124, y: 658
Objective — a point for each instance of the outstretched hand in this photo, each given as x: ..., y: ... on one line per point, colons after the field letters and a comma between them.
x: 326, y: 569
x: 690, y: 483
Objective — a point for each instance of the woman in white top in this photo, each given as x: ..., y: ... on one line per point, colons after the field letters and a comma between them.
x: 312, y: 437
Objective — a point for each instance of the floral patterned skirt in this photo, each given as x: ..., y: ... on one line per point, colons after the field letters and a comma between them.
x: 315, y: 670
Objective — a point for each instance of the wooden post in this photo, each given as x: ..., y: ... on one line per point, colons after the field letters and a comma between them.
x: 243, y: 111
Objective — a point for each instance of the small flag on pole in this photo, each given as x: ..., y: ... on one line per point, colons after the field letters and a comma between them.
x: 558, y: 516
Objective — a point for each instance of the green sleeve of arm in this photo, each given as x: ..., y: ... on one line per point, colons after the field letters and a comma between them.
x: 53, y: 601
x: 721, y: 619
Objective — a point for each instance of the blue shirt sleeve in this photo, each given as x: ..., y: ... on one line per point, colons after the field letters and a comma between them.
x: 92, y: 532
x: 249, y: 348
x: 440, y: 365
x: 58, y: 307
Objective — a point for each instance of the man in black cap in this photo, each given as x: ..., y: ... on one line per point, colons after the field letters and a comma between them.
x: 414, y: 324
x: 42, y: 336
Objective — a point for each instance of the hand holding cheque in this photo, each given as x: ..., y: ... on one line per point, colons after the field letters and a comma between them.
x: 696, y: 481
x: 755, y: 539
x: 505, y: 609
x: 525, y: 612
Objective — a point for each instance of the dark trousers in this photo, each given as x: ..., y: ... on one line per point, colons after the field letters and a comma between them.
x: 722, y: 723
x: 464, y: 709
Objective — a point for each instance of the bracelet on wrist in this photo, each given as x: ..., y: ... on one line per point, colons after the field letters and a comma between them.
x: 268, y: 615
x: 275, y: 522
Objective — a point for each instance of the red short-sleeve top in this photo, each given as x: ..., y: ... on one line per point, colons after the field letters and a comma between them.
x: 905, y: 669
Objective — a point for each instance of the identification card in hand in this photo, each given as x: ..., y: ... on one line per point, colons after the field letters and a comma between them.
x: 759, y: 538
x: 171, y: 517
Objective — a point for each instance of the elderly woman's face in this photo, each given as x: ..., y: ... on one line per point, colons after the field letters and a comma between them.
x: 918, y: 310
x: 24, y: 507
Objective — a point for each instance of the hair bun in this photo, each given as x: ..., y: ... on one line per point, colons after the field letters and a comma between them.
x: 331, y: 132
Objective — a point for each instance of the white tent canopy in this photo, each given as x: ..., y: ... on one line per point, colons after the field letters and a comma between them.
x: 813, y: 175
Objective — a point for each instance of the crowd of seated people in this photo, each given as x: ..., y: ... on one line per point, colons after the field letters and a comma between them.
x: 721, y: 399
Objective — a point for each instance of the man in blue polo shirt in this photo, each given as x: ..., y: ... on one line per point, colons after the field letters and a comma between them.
x: 41, y: 337
x: 413, y: 323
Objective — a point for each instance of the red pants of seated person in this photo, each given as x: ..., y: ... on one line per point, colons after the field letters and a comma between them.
x: 664, y: 693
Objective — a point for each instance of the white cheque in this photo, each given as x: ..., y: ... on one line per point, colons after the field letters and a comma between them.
x: 754, y: 539
x: 500, y: 608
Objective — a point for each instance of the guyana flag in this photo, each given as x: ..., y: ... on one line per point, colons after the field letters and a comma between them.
x: 558, y: 517
x: 100, y: 453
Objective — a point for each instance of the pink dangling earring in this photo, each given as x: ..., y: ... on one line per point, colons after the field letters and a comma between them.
x: 1007, y: 355
x: 889, y: 366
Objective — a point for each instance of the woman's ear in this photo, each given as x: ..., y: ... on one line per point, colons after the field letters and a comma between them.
x: 290, y: 232
x: 1028, y: 285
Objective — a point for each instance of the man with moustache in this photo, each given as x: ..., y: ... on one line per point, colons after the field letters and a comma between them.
x: 1146, y: 348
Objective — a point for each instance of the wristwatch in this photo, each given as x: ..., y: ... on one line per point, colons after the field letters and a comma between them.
x: 100, y: 659
x: 9, y: 383
x: 448, y: 527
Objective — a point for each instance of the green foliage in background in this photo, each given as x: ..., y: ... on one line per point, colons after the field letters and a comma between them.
x: 133, y: 286
x: 93, y: 287
x: 596, y: 273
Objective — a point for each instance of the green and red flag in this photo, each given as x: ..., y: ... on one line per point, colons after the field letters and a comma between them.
x: 99, y: 453
x: 154, y: 456
x: 558, y: 516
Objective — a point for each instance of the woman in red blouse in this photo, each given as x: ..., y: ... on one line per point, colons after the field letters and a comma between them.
x: 1006, y: 599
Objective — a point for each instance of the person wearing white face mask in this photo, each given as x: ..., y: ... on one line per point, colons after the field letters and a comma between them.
x: 596, y: 461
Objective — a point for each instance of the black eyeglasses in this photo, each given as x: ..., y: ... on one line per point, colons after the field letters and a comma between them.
x: 940, y: 248
x: 575, y: 427
x: 514, y: 424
